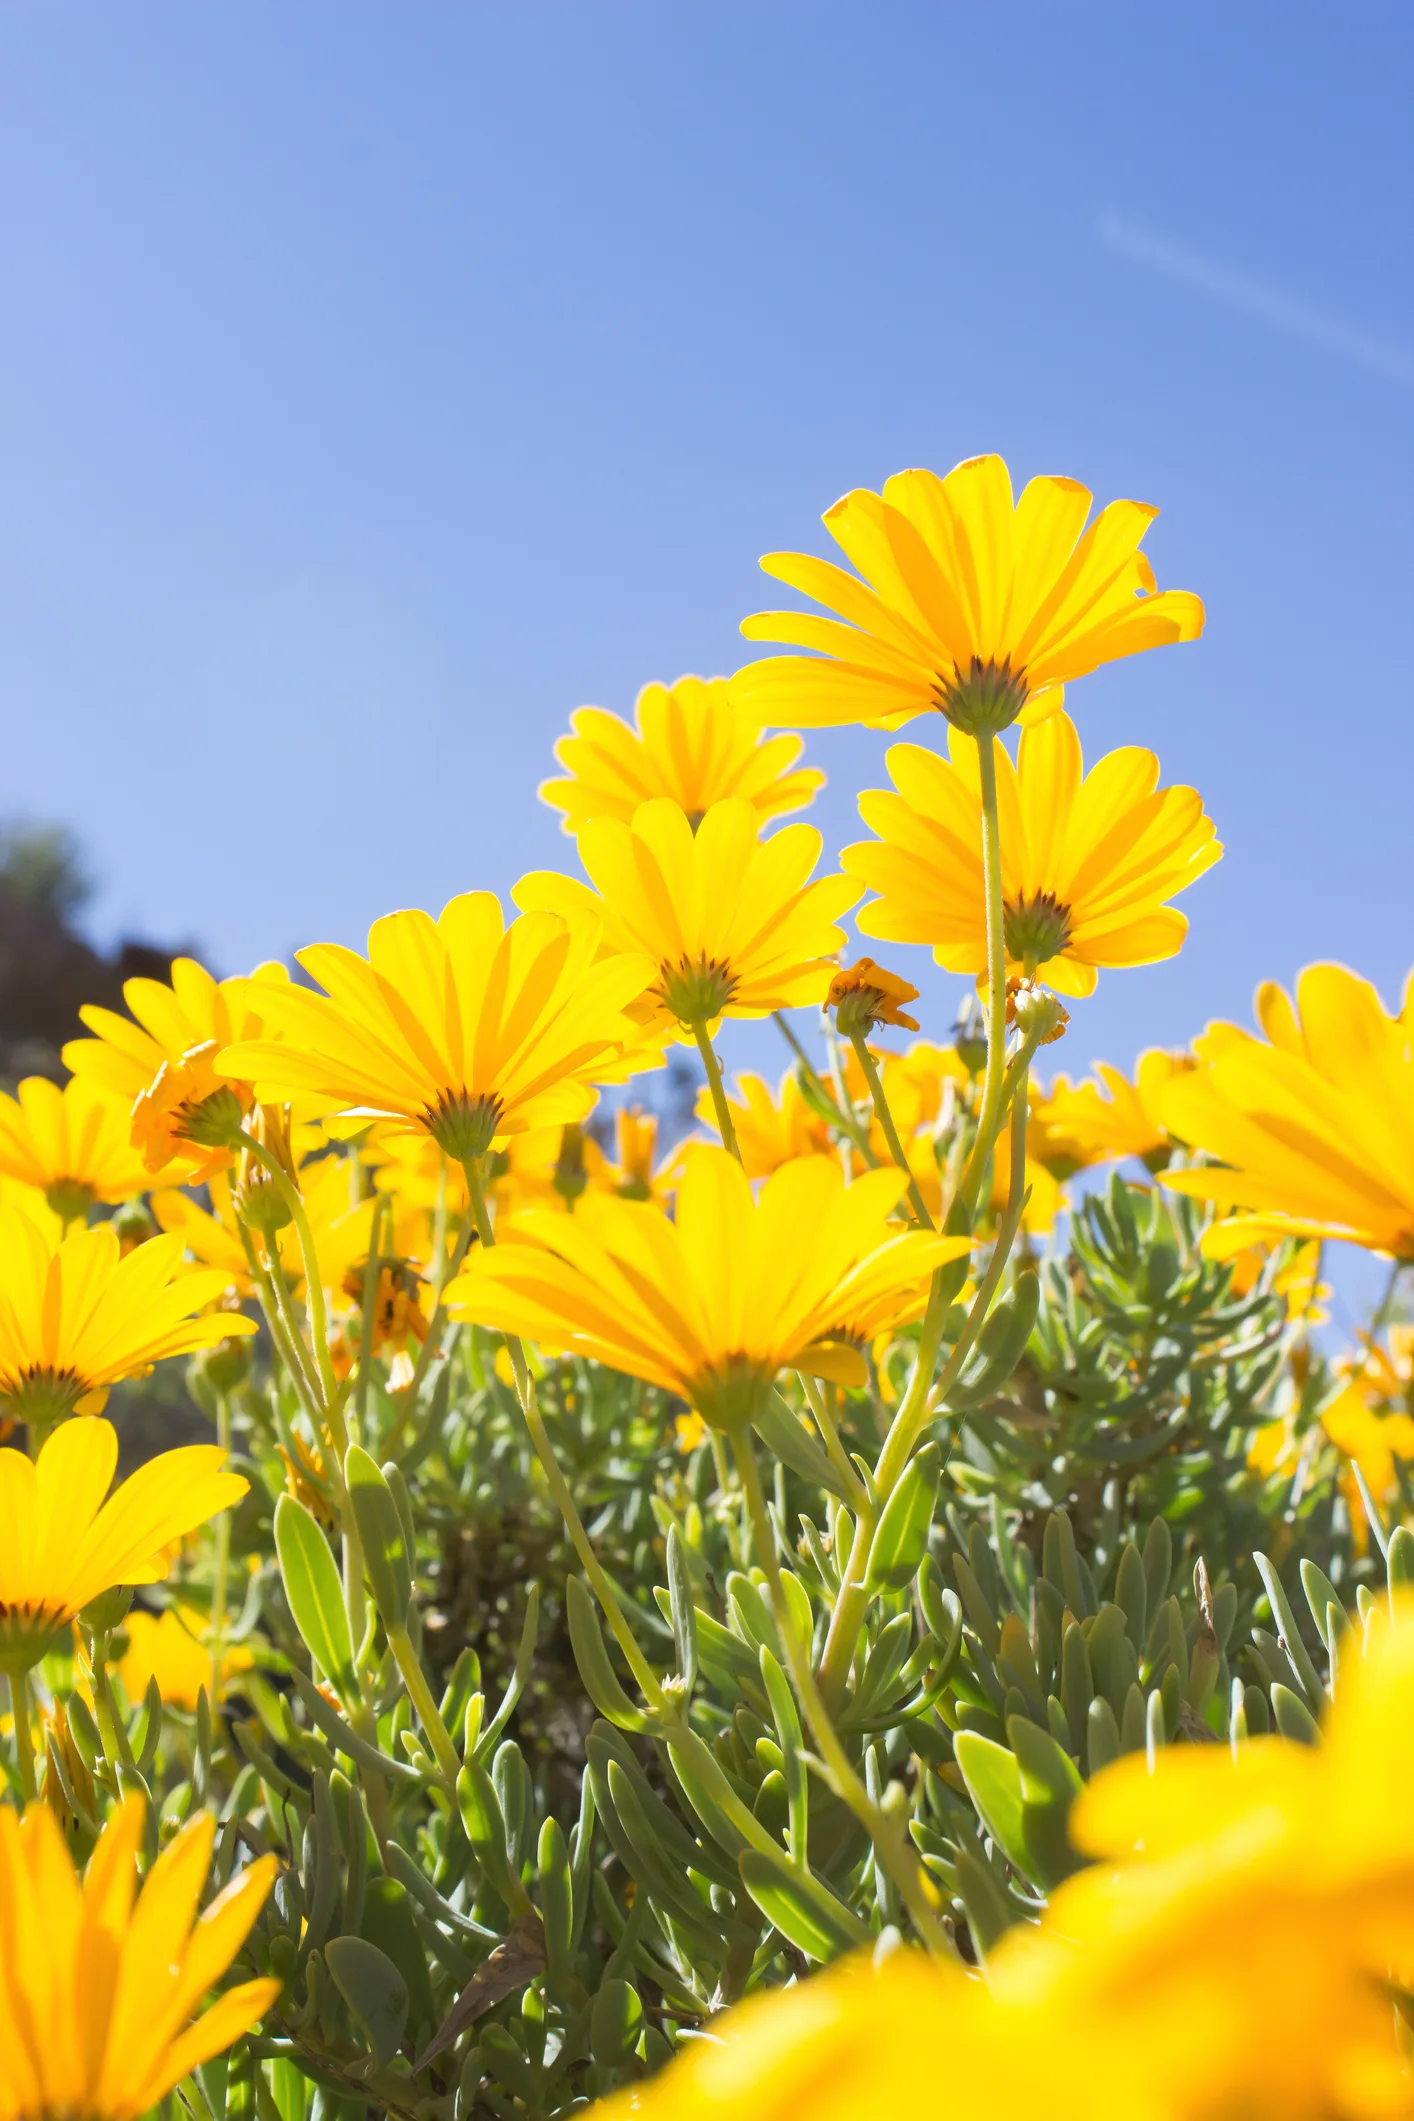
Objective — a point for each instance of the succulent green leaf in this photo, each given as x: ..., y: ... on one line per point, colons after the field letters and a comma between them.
x: 374, y: 1991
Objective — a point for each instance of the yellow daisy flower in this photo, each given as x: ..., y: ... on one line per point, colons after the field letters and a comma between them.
x: 61, y: 1543
x: 636, y: 1174
x: 713, y: 1304
x: 1088, y: 860
x: 76, y: 1315
x: 771, y: 1128
x: 160, y: 1064
x: 730, y: 922
x: 73, y: 1144
x: 463, y: 1028
x: 100, y: 1983
x: 1313, y: 1126
x: 167, y: 1647
x: 692, y: 742
x: 969, y: 604
x: 1104, y: 1121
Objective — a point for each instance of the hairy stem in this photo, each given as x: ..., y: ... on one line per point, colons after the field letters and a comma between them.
x: 717, y: 1087
x: 992, y: 1081
x: 886, y: 1120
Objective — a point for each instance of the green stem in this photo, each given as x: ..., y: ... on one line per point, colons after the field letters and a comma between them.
x: 428, y: 1713
x: 886, y: 1121
x: 24, y: 1735
x: 885, y: 1833
x: 992, y: 1081
x: 559, y: 1487
x: 1386, y: 1306
x: 718, y: 1088
x: 431, y: 1340
x: 368, y: 1311
x: 216, y: 1629
x: 849, y: 1125
x: 817, y: 1399
x: 313, y: 1285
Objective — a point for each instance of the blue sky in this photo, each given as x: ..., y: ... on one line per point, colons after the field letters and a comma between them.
x: 381, y: 382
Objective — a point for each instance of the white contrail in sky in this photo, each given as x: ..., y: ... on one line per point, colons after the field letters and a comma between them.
x: 1141, y: 246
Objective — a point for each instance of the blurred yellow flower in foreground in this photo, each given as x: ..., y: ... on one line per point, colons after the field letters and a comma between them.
x: 970, y: 603
x: 73, y: 1144
x: 731, y: 923
x: 1313, y: 1127
x: 463, y: 1027
x: 61, y: 1543
x: 100, y: 1983
x: 1088, y: 860
x: 713, y: 1304
x: 167, y: 1647
x: 692, y: 742
x: 1245, y: 1921
x: 76, y: 1314
x: 186, y: 1111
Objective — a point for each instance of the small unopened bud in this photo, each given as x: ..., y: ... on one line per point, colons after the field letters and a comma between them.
x: 969, y: 1036
x: 1036, y: 1012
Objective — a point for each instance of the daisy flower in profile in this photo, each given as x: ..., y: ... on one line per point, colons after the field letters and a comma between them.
x: 636, y: 1173
x: 101, y: 1982
x: 64, y: 1543
x: 731, y: 923
x: 74, y: 1145
x: 714, y: 1303
x: 1104, y: 1121
x: 1311, y: 1126
x: 691, y: 741
x: 463, y: 1028
x: 160, y: 1063
x: 965, y: 602
x: 76, y: 1315
x: 1089, y: 861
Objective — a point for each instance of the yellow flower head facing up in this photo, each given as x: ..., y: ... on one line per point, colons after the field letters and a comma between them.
x: 1088, y: 860
x: 74, y: 1145
x: 1246, y: 1919
x: 160, y: 1063
x: 463, y: 1028
x: 1313, y: 1125
x: 964, y: 602
x: 1105, y: 1121
x: 771, y: 1128
x: 691, y: 742
x: 712, y: 1305
x: 101, y: 1983
x: 167, y: 1647
x: 76, y: 1314
x: 864, y: 995
x: 731, y: 922
x: 62, y: 1543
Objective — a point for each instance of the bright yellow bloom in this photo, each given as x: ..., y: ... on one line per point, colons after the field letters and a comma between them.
x: 340, y: 1230
x: 167, y: 1647
x: 76, y: 1314
x: 1371, y: 1440
x: 1315, y: 1125
x: 865, y: 994
x: 462, y: 1027
x: 692, y: 742
x: 729, y: 921
x: 770, y: 1130
x: 185, y: 1110
x: 968, y: 604
x: 1244, y: 1923
x: 74, y: 1145
x: 1096, y: 1127
x: 1088, y: 860
x: 712, y: 1305
x: 61, y: 1543
x: 100, y: 1984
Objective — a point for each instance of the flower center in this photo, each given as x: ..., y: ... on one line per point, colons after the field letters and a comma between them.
x: 985, y: 698
x: 463, y: 1123
x: 1035, y: 928
x: 729, y: 1394
x: 696, y: 990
